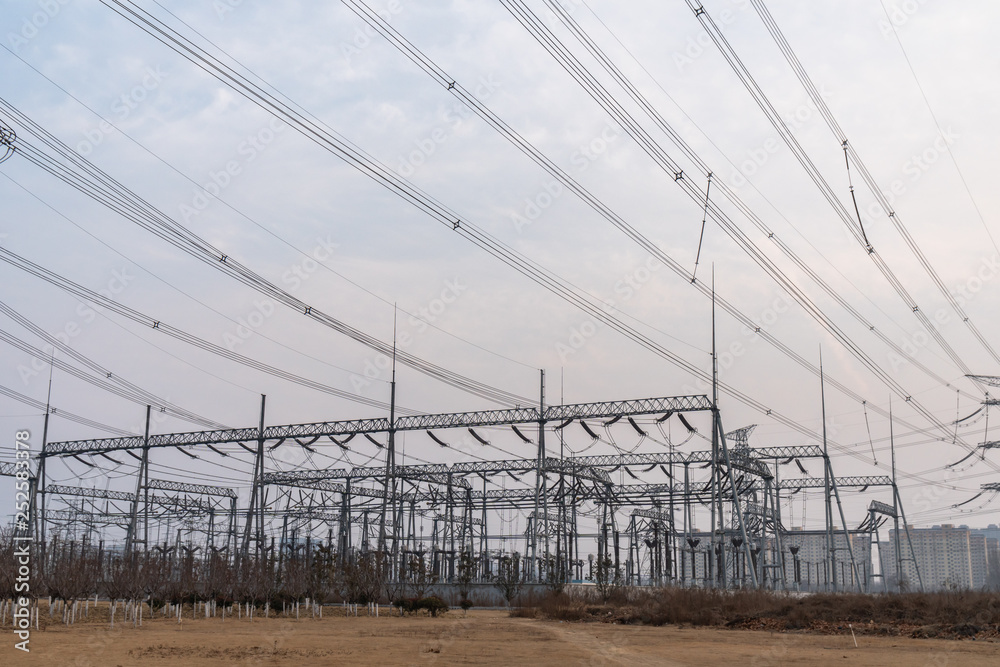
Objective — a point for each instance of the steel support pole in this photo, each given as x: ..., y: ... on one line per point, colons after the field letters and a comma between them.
x: 141, y: 481
x: 256, y: 495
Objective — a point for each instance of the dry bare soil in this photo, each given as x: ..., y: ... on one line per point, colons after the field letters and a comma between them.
x: 484, y: 637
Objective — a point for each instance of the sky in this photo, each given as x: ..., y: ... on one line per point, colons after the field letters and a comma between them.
x: 912, y: 85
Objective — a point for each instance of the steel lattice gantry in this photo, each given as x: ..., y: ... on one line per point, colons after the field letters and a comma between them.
x: 340, y: 432
x: 379, y: 507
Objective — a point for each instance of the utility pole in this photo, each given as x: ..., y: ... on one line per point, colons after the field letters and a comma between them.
x: 895, y: 506
x: 389, y: 499
x: 141, y: 482
x: 716, y: 505
x: 847, y: 534
x: 672, y: 528
x: 828, y: 507
x: 563, y: 551
x: 40, y: 482
x: 145, y: 485
x: 260, y: 479
x: 540, y: 487
x: 738, y: 506
x: 899, y: 512
x: 830, y: 491
x: 719, y: 443
x: 257, y: 493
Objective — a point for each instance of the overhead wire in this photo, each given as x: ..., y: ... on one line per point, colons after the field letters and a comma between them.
x: 456, y: 222
x: 648, y: 143
x: 544, y: 37
x: 157, y: 325
x: 941, y: 131
x: 167, y: 283
x: 790, y: 140
x: 281, y: 239
x: 749, y: 180
x: 396, y: 184
x: 65, y: 414
x: 104, y: 379
x: 551, y: 43
x: 90, y: 180
x: 568, y: 62
x: 870, y: 181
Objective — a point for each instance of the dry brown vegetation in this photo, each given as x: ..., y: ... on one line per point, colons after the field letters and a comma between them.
x: 962, y: 614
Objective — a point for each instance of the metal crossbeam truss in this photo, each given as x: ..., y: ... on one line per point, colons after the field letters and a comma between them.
x: 83, y: 492
x: 306, y: 481
x: 440, y: 473
x: 798, y: 452
x: 819, y: 482
x: 194, y: 489
x: 654, y: 515
x: 90, y: 518
x: 882, y: 508
x: 124, y: 496
x: 7, y: 469
x: 636, y: 407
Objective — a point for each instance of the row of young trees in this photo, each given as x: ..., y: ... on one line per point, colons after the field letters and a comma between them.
x: 186, y: 580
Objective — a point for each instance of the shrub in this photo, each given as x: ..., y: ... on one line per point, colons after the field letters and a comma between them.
x: 433, y: 604
x: 405, y: 604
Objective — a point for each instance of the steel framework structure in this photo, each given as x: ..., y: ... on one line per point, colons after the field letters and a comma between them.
x: 564, y: 499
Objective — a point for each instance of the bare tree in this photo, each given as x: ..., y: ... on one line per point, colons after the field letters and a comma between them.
x: 466, y: 572
x: 8, y: 566
x: 395, y: 588
x: 509, y: 579
x: 607, y: 577
x: 219, y: 579
x: 420, y: 575
x: 72, y: 576
x: 252, y: 586
x: 555, y: 574
x: 294, y: 580
x: 324, y: 574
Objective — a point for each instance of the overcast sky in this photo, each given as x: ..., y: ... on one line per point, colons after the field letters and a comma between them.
x: 923, y: 120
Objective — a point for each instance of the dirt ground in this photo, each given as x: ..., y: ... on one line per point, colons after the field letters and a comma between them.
x: 484, y: 637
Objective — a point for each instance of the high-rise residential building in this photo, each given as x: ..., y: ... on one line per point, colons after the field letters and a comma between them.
x: 991, y: 537
x: 991, y: 531
x: 977, y: 556
x: 948, y: 557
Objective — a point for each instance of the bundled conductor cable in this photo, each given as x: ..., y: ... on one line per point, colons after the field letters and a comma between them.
x: 589, y: 431
x: 564, y: 424
x: 636, y: 427
x: 520, y: 435
x: 480, y: 438
x: 687, y: 424
x: 436, y: 439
